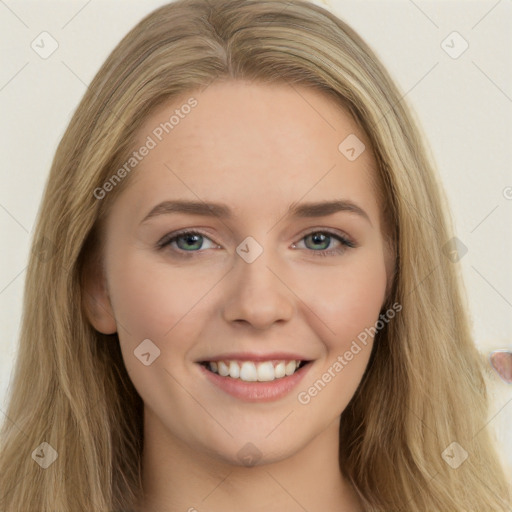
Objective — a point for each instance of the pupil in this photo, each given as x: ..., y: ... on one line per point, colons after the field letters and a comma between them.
x: 319, y: 238
x: 189, y: 239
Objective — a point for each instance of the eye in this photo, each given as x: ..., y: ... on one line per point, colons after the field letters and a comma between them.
x: 186, y: 241
x: 322, y: 240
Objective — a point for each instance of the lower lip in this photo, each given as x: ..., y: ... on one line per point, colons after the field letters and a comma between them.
x: 257, y: 391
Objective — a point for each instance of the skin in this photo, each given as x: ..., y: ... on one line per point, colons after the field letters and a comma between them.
x: 268, y: 146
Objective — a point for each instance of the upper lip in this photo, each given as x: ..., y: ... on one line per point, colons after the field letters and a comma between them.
x: 252, y: 356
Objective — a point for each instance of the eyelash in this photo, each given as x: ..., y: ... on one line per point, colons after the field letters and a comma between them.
x: 171, y: 237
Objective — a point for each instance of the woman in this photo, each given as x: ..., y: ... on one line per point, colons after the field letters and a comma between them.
x: 245, y: 372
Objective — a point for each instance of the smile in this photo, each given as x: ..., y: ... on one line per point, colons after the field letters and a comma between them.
x: 255, y: 381
x: 250, y: 371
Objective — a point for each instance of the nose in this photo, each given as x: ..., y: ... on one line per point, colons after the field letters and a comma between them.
x: 258, y: 294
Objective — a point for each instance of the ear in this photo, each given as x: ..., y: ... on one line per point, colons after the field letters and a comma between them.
x: 96, y: 299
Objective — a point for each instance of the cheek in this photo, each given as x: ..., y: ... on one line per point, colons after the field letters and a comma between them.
x: 167, y: 303
x: 347, y: 298
x: 152, y: 298
x: 349, y: 312
x: 159, y: 302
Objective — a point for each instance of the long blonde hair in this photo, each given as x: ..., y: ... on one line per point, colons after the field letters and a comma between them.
x: 424, y: 386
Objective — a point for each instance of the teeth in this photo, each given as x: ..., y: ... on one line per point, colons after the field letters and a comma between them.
x: 280, y: 370
x: 290, y: 368
x: 249, y: 371
x: 234, y: 370
x: 223, y: 369
x: 266, y: 371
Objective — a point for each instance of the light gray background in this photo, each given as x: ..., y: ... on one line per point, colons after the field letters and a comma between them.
x: 464, y: 105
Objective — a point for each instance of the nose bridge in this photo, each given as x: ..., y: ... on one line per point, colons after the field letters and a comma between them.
x: 257, y: 294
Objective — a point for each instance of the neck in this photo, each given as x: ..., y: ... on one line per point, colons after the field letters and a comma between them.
x: 177, y: 478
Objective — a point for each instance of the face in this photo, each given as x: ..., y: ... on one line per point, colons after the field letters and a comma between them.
x: 261, y: 279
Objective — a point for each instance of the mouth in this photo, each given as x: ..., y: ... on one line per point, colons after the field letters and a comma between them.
x: 255, y: 378
x: 252, y: 371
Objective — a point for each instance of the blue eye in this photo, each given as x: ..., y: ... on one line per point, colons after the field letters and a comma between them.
x: 192, y: 241
x: 324, y: 238
x: 187, y: 241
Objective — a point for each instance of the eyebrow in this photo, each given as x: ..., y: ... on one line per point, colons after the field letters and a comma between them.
x: 222, y: 211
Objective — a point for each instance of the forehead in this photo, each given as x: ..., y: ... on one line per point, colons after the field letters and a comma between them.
x: 251, y: 145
